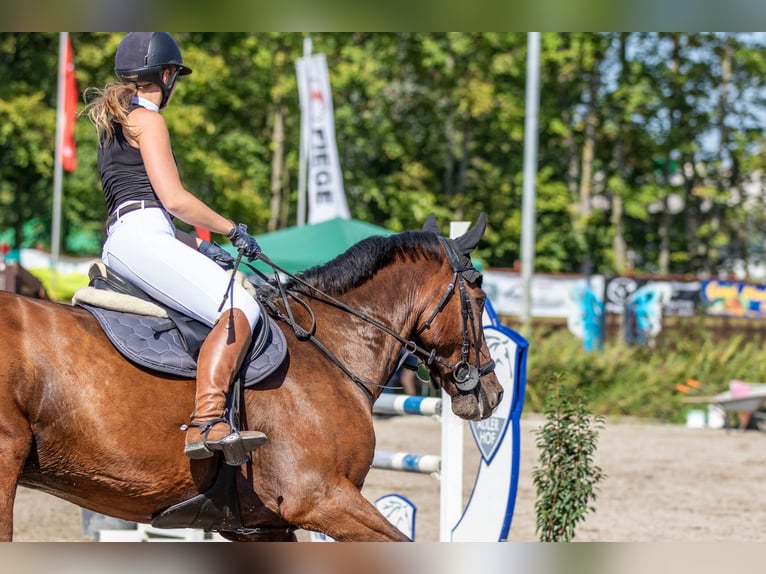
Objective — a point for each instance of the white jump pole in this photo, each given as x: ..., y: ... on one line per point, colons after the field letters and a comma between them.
x: 452, y: 447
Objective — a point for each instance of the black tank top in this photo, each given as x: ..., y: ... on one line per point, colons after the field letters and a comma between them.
x: 123, y: 174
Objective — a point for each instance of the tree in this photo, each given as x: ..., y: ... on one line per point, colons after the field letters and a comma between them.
x: 433, y: 122
x: 27, y: 133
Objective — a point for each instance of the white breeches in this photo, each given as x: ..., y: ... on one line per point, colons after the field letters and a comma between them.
x: 142, y: 246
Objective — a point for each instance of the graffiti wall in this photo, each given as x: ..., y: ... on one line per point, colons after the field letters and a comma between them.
x: 679, y: 298
x: 642, y: 302
x: 734, y: 299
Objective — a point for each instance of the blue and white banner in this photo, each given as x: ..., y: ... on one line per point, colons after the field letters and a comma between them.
x: 488, y: 513
x: 326, y: 197
x: 552, y: 295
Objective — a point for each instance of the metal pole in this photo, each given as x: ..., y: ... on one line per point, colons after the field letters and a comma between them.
x: 57, y: 166
x: 530, y: 174
x: 303, y: 160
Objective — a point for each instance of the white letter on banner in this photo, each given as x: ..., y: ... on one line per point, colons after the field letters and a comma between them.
x: 326, y: 197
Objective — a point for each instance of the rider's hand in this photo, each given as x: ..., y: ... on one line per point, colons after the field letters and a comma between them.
x: 217, y: 254
x: 243, y: 241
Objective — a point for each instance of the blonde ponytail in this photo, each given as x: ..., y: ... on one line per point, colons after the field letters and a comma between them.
x: 107, y: 106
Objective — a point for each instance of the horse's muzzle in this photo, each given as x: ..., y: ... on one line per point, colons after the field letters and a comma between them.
x: 481, y: 402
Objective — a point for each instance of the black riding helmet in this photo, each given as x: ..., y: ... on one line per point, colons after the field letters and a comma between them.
x: 142, y: 57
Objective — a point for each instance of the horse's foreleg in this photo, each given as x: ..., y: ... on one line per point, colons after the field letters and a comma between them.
x: 7, y: 497
x: 13, y: 453
x: 346, y: 516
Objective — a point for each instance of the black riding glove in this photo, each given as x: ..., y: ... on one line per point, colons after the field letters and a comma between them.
x: 217, y: 254
x: 243, y: 241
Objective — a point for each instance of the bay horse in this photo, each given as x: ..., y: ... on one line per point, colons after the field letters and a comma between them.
x: 81, y: 422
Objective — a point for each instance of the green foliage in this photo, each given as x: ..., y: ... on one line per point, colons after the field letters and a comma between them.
x: 434, y: 122
x: 63, y: 286
x: 640, y: 381
x: 567, y: 477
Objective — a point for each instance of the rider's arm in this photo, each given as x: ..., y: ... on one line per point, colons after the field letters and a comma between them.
x: 150, y: 132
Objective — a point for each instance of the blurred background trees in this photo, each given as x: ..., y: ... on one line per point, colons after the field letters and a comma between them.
x: 651, y: 144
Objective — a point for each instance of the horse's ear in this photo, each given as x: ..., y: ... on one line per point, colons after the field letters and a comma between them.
x: 431, y: 225
x: 470, y: 239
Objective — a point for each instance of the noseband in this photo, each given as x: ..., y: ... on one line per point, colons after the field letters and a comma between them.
x: 465, y: 375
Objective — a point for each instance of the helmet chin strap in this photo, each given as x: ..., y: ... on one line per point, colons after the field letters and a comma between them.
x: 167, y: 88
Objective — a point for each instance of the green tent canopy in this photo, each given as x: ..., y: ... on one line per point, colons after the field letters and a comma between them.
x: 300, y: 247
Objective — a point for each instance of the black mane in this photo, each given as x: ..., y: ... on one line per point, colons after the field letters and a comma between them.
x: 361, y: 261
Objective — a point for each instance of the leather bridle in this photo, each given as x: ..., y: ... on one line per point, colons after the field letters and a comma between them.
x: 465, y: 375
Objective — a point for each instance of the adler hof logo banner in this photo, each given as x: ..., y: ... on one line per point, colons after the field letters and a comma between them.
x: 326, y: 197
x: 489, y: 511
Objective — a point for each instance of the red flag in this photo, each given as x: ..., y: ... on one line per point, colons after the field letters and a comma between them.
x: 203, y: 233
x: 68, y: 154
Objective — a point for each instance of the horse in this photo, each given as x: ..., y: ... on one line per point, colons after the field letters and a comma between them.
x: 81, y: 422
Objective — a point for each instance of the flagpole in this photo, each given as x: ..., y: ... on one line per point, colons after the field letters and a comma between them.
x: 303, y: 161
x: 529, y: 192
x: 57, y: 164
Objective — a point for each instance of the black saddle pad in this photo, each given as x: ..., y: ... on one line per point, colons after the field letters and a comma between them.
x: 156, y: 344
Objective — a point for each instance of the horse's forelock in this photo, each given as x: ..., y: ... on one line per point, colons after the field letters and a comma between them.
x: 362, y: 260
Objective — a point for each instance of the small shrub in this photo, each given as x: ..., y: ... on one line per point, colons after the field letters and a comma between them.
x: 566, y: 479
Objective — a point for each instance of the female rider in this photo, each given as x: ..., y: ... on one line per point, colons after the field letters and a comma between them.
x: 143, y: 194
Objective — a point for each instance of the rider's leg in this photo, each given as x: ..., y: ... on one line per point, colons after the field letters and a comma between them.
x: 220, y: 358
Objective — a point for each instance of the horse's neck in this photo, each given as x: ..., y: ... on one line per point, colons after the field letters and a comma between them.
x: 386, y: 300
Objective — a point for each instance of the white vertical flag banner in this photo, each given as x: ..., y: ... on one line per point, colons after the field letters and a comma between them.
x: 326, y: 197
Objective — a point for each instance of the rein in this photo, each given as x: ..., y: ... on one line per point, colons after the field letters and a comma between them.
x: 308, y: 334
x: 466, y: 376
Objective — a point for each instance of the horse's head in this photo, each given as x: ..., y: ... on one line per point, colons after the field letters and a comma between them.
x: 451, y: 325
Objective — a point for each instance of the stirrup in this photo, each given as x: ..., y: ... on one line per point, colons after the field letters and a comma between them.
x: 235, y: 446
